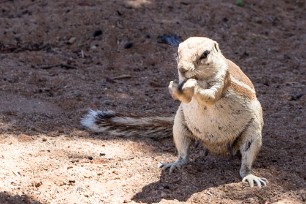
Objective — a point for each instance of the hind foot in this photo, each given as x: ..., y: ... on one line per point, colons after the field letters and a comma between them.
x: 174, y: 165
x: 251, y: 179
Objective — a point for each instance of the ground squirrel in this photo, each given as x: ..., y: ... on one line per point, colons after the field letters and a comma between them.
x: 218, y: 107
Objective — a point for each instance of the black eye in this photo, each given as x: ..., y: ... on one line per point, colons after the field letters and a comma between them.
x: 204, y: 54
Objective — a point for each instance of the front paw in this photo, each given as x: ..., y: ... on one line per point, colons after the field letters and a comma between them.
x: 206, y: 95
x: 187, y: 87
x: 183, y: 91
x: 173, y: 89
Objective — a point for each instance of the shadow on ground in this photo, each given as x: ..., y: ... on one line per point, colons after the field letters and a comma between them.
x: 6, y: 198
x: 191, y: 179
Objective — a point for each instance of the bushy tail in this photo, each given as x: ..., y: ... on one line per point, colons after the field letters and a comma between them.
x: 110, y: 123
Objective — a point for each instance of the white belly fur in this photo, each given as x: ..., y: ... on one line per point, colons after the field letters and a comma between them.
x: 221, y: 122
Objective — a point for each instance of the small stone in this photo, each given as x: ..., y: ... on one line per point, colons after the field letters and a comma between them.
x: 172, y: 40
x: 295, y: 97
x: 75, y: 161
x: 90, y: 158
x: 93, y: 47
x: 71, y: 181
x: 71, y: 40
x: 37, y: 184
x: 102, y: 154
x: 128, y: 45
x: 97, y: 33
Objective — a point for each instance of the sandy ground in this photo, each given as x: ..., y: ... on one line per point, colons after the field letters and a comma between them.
x: 59, y: 58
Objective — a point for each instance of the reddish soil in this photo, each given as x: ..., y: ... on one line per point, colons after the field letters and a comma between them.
x: 61, y: 57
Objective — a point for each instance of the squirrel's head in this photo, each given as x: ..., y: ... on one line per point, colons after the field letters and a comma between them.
x: 199, y: 58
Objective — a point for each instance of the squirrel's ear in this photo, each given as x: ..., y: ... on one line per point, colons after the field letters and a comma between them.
x: 216, y: 47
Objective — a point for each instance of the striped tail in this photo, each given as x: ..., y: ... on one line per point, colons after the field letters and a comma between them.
x: 113, y: 124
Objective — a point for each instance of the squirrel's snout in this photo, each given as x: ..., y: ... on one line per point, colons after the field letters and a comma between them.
x: 182, y: 69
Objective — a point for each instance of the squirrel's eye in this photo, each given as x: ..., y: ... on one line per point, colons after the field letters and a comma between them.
x: 204, y: 54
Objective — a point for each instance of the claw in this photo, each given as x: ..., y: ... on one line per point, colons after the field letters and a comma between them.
x: 174, y: 165
x: 251, y: 179
x: 160, y: 165
x: 170, y: 166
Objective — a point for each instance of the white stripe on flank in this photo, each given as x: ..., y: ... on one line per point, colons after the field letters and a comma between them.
x: 242, y: 84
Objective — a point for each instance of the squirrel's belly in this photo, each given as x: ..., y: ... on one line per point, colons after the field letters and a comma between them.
x: 219, y: 123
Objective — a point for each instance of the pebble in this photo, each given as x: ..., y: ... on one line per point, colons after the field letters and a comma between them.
x: 71, y: 181
x: 97, y: 33
x: 172, y: 40
x: 74, y: 161
x: 71, y: 40
x: 295, y: 97
x: 37, y: 184
x: 93, y: 47
x: 128, y: 45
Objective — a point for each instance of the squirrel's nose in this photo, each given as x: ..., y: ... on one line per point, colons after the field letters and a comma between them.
x: 182, y: 69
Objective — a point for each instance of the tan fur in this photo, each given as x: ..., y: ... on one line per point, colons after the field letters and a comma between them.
x: 219, y: 106
x: 237, y: 73
x: 243, y: 92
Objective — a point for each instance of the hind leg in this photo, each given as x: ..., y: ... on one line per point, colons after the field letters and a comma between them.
x: 182, y: 140
x: 249, y: 148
